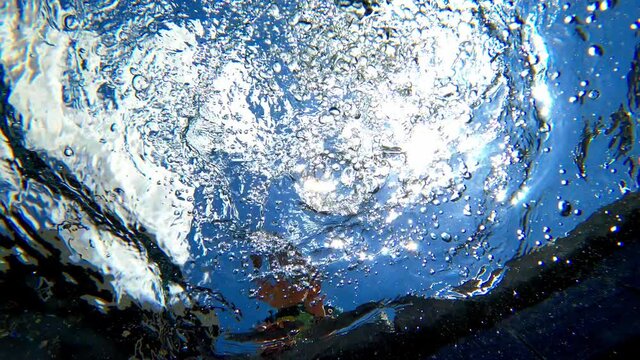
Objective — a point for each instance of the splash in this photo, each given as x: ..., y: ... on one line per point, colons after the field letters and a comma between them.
x: 347, y: 139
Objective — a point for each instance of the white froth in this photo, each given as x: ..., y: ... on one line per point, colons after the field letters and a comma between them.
x: 40, y: 55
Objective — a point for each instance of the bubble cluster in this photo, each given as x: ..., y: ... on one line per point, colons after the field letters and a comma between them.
x: 329, y: 139
x: 333, y: 129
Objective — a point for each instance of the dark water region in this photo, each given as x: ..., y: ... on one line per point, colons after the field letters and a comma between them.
x: 553, y: 302
x: 349, y: 179
x: 568, y: 292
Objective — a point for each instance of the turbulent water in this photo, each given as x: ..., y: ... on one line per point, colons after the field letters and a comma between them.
x: 339, y: 152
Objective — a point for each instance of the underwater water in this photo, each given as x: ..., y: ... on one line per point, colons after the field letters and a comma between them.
x: 252, y: 157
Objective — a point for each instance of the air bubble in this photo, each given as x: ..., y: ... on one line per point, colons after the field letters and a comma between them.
x: 70, y: 22
x: 604, y: 5
x: 593, y: 94
x: 595, y: 50
x: 334, y: 111
x: 68, y: 151
x: 140, y: 83
x: 564, y: 207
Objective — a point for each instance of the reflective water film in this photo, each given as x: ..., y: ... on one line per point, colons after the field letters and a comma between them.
x: 281, y: 162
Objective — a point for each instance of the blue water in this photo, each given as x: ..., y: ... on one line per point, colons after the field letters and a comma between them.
x: 374, y: 153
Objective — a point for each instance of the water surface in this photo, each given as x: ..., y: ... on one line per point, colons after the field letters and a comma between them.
x: 252, y: 156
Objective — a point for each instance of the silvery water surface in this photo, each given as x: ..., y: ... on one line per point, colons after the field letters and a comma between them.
x: 356, y: 150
